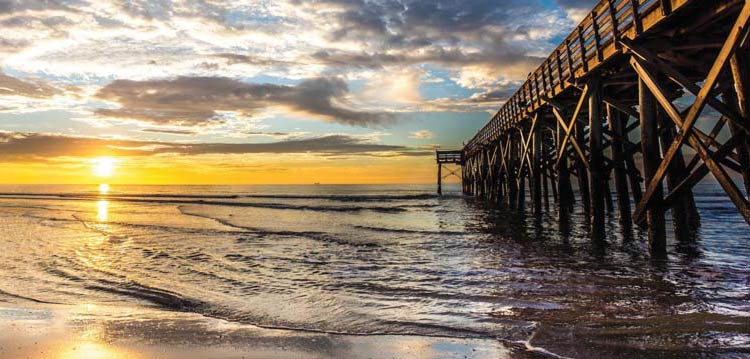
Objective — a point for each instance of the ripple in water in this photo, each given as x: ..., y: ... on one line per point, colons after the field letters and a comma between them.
x: 372, y: 260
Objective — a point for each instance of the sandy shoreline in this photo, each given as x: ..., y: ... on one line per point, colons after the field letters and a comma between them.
x: 115, y: 332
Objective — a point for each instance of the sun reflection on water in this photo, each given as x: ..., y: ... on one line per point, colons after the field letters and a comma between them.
x: 92, y: 350
x: 103, y: 188
x: 102, y: 210
x: 89, y: 345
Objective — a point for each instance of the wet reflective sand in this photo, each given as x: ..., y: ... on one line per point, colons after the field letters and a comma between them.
x: 105, y: 332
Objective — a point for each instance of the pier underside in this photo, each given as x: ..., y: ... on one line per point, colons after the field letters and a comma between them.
x: 644, y: 100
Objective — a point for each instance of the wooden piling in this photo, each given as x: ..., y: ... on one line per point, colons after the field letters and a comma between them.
x: 536, y: 169
x: 741, y: 79
x: 683, y: 207
x: 512, y: 173
x: 582, y: 173
x: 651, y: 159
x: 597, y: 177
x: 521, y: 201
x: 614, y: 121
x: 565, y: 188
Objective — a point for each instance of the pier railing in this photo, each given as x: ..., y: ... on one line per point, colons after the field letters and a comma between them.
x: 594, y: 41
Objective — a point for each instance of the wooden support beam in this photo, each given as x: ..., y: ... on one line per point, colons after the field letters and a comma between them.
x: 527, y: 142
x: 741, y: 79
x: 614, y: 118
x: 650, y: 141
x: 701, y: 171
x: 565, y: 189
x: 738, y: 32
x: 535, y: 169
x: 681, y: 212
x: 440, y: 179
x: 512, y: 180
x: 562, y: 147
x: 582, y: 170
x: 687, y: 133
x: 597, y: 175
x: 682, y: 80
x: 521, y: 200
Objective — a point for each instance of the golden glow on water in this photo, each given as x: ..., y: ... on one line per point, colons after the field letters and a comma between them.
x: 103, y: 188
x: 92, y: 350
x: 104, y: 166
x: 90, y: 345
x: 102, y: 210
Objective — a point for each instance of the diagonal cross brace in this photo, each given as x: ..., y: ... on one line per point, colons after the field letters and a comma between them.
x: 683, y: 81
x: 526, y: 142
x: 568, y: 128
x: 687, y: 134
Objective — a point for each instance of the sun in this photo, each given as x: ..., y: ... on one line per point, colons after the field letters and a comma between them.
x: 104, y: 166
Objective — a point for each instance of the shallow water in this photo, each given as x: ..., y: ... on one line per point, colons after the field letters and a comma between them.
x: 381, y: 260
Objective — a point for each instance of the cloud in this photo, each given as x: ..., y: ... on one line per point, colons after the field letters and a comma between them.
x: 184, y: 64
x: 577, y: 9
x: 276, y: 135
x: 194, y: 101
x: 16, y: 6
x: 250, y: 59
x: 422, y: 135
x: 11, y: 86
x: 170, y: 131
x: 16, y: 146
x: 501, y: 93
x: 292, y: 38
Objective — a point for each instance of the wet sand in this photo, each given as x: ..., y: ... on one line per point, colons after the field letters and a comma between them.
x: 98, y: 332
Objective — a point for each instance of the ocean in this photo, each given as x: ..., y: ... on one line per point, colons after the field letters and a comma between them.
x: 376, y: 260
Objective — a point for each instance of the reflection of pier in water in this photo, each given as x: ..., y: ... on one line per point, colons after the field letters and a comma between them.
x: 631, y: 66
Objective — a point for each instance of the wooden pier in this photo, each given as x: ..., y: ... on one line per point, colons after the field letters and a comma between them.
x: 645, y: 98
x: 444, y: 158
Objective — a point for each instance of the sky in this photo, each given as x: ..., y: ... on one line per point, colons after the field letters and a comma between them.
x: 256, y: 91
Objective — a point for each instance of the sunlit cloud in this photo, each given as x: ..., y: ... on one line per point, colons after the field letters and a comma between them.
x: 422, y: 135
x: 199, y: 100
x: 30, y: 146
x: 208, y: 78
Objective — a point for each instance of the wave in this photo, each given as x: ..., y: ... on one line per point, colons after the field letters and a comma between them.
x: 334, y: 197
x: 16, y: 296
x: 221, y: 203
x: 320, y: 236
x: 171, y: 300
x: 413, y: 231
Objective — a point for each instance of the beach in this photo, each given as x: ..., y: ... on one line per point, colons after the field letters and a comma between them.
x: 92, y: 331
x: 352, y: 272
